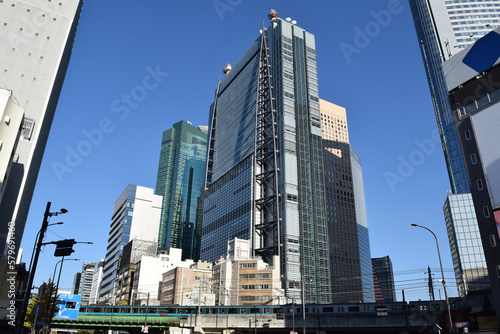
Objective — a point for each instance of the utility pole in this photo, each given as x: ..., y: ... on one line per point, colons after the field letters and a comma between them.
x: 431, y: 285
x: 32, y: 270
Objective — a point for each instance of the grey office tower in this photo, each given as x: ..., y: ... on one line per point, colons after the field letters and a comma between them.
x: 265, y: 175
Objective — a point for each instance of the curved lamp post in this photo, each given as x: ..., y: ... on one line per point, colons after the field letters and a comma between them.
x: 442, y: 274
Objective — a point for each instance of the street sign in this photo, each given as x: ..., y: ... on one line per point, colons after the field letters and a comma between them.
x: 145, y: 329
x: 38, y: 309
x: 69, y: 306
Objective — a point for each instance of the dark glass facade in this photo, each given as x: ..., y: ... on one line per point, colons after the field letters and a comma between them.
x: 432, y: 55
x: 181, y: 177
x: 383, y: 275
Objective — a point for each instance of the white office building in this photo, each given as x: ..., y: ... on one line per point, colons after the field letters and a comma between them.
x: 136, y: 215
x: 96, y: 282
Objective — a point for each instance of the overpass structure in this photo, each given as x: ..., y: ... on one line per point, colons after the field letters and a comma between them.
x: 424, y: 321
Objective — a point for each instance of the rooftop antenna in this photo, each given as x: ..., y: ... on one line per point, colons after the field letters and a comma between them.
x: 227, y: 69
x: 273, y: 15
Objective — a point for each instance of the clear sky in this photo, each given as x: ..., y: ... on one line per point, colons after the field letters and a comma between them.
x: 368, y: 62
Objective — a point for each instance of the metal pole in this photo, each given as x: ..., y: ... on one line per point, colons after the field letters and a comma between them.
x: 36, y: 316
x: 442, y: 276
x: 49, y: 304
x: 293, y: 315
x: 22, y: 314
x: 199, y: 303
x: 146, y: 318
x: 57, y: 290
x: 227, y: 311
x: 255, y: 322
x: 303, y: 307
x: 111, y: 319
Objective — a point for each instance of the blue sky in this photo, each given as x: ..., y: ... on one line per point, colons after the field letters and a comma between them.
x: 138, y: 67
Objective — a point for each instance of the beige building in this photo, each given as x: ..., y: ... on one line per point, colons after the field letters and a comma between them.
x: 350, y: 259
x: 245, y: 280
x: 191, y: 286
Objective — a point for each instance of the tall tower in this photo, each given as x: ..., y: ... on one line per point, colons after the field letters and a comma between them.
x: 346, y: 210
x: 265, y: 176
x: 443, y: 29
x: 136, y: 215
x: 180, y: 180
x: 36, y: 39
x: 382, y: 271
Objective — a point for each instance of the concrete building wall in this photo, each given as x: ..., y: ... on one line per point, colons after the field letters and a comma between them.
x: 37, y: 39
x: 11, y: 120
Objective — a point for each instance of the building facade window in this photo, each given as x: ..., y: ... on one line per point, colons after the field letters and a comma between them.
x: 473, y: 158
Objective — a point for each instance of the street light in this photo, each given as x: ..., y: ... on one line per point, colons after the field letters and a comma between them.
x: 53, y: 281
x: 303, y: 305
x: 34, y: 262
x: 227, y: 310
x: 442, y: 274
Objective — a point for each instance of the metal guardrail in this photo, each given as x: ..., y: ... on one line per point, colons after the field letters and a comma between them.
x: 118, y: 320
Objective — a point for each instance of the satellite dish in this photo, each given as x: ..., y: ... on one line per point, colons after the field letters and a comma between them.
x: 294, y: 22
x: 260, y: 31
x: 288, y: 19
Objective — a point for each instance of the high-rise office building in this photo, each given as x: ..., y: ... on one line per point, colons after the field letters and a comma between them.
x: 346, y: 211
x: 37, y: 39
x: 472, y: 78
x: 180, y: 180
x: 443, y: 29
x: 383, y: 275
x: 136, y: 215
x: 75, y: 289
x: 96, y: 282
x: 466, y: 247
x: 265, y: 175
x: 87, y: 276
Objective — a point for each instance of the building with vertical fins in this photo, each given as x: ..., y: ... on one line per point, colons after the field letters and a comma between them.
x: 136, y: 215
x: 180, y: 180
x: 346, y: 210
x: 87, y: 276
x: 37, y: 39
x: 443, y: 29
x: 383, y: 275
x: 265, y: 175
x: 96, y: 282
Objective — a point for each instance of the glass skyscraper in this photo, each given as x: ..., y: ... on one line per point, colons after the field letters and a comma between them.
x: 384, y: 277
x: 229, y: 208
x: 466, y: 247
x: 443, y: 29
x: 180, y: 180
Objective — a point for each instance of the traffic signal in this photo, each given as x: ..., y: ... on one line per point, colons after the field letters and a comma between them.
x: 70, y: 304
x: 280, y: 316
x: 64, y: 247
x: 41, y: 291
